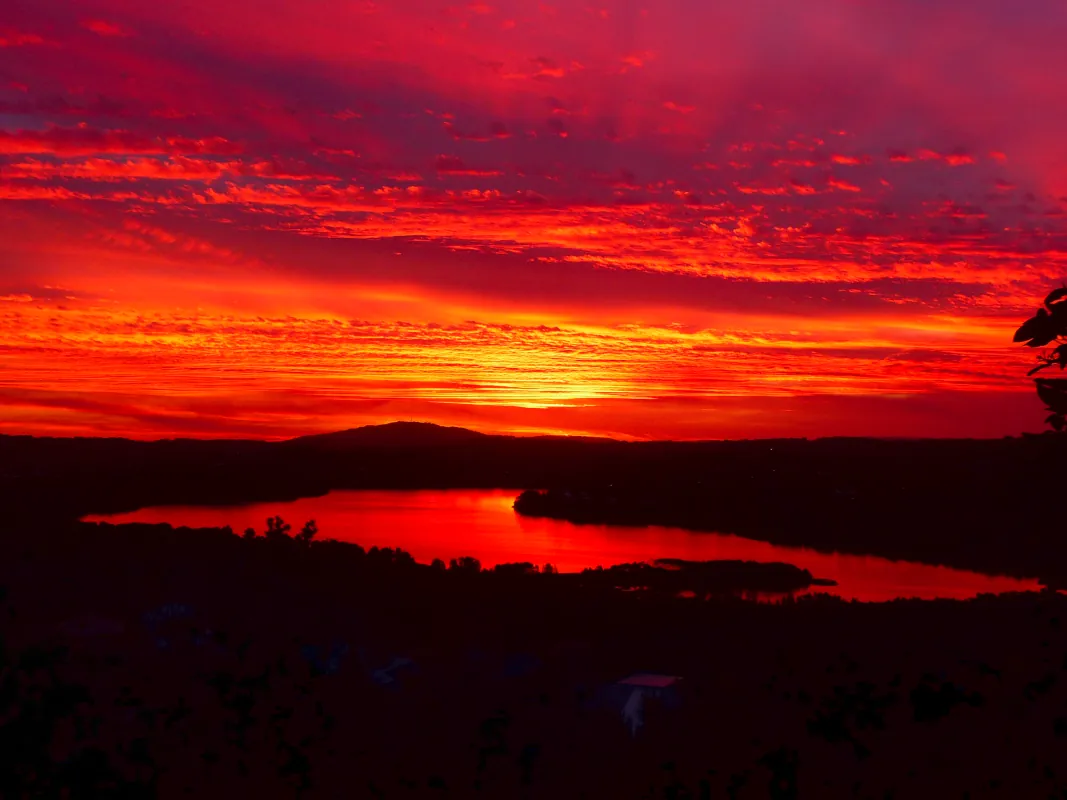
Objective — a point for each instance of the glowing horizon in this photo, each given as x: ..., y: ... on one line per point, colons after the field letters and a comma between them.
x: 676, y: 220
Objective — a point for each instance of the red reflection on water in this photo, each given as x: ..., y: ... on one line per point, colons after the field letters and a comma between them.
x: 482, y: 523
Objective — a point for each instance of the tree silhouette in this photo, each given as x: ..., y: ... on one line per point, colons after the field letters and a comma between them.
x: 1048, y: 326
x: 277, y: 529
x: 465, y: 564
x: 308, y: 532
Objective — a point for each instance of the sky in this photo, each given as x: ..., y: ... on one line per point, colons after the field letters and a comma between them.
x: 679, y: 219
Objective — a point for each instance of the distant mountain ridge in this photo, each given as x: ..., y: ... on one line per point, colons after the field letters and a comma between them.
x: 420, y: 434
x: 391, y: 434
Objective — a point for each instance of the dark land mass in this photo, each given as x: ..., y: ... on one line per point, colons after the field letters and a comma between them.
x: 143, y: 661
x: 987, y: 505
x: 147, y: 661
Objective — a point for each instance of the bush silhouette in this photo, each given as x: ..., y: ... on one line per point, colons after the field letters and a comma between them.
x: 1049, y: 326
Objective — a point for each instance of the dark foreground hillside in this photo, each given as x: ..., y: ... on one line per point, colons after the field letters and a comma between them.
x: 139, y: 661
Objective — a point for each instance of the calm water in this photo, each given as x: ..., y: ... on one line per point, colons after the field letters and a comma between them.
x: 481, y: 523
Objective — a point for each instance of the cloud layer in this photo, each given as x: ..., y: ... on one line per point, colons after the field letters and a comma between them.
x: 677, y: 219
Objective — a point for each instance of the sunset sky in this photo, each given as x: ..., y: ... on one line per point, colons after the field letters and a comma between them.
x: 670, y: 219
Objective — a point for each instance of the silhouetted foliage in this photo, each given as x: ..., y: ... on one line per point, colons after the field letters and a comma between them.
x: 304, y: 682
x: 250, y: 533
x: 932, y: 699
x: 308, y: 532
x: 391, y: 556
x: 782, y: 764
x: 670, y: 576
x: 277, y: 529
x: 1047, y: 326
x: 37, y: 705
x: 465, y: 564
x: 518, y: 568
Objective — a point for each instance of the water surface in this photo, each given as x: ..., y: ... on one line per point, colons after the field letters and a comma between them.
x: 481, y: 523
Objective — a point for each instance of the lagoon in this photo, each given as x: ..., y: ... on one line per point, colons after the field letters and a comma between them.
x: 482, y: 523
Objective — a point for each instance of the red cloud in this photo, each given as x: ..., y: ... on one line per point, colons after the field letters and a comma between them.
x: 13, y: 38
x: 850, y: 160
x: 280, y: 169
x: 454, y: 165
x: 956, y: 158
x: 177, y: 168
x: 959, y: 158
x: 104, y: 28
x: 83, y: 140
x: 557, y: 127
x: 497, y: 130
x: 845, y: 186
x: 623, y: 179
x: 765, y: 190
x: 547, y: 68
x: 213, y: 145
x: 557, y: 107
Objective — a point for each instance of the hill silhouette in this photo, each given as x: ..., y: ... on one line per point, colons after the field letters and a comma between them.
x: 390, y: 434
x: 972, y: 504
